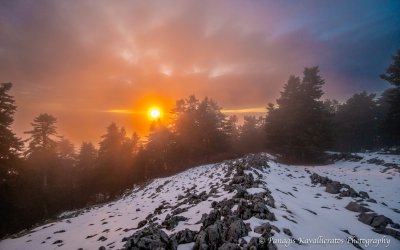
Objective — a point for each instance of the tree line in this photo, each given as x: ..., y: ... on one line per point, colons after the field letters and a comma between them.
x: 45, y: 175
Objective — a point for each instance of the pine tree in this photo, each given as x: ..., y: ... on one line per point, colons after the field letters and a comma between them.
x: 299, y: 128
x: 391, y: 98
x: 115, y: 159
x: 10, y: 172
x: 356, y: 123
x: 87, y: 156
x: 10, y: 145
x: 252, y: 134
x: 42, y: 150
x: 392, y: 74
x: 66, y: 150
x: 43, y: 136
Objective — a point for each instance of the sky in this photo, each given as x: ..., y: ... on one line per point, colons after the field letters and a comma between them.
x: 90, y: 63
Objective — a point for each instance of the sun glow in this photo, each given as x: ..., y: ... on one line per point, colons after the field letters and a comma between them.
x: 154, y: 113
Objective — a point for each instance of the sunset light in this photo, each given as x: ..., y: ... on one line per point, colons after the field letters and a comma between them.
x: 154, y: 113
x: 213, y: 113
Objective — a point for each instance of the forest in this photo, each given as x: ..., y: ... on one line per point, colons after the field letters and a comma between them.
x: 45, y: 175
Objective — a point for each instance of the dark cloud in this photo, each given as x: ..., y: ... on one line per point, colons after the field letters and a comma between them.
x: 75, y: 59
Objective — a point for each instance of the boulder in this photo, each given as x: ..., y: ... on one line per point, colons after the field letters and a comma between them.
x: 201, y: 241
x: 171, y: 222
x: 392, y: 232
x: 215, y: 234
x: 266, y: 227
x: 184, y: 236
x: 150, y: 238
x: 229, y: 246
x: 260, y: 243
x: 367, y: 218
x: 287, y: 232
x: 355, y: 207
x: 209, y: 219
x: 381, y: 221
x: 333, y: 187
x: 241, y: 192
x: 350, y: 192
x: 236, y: 230
x: 363, y: 195
x: 142, y: 223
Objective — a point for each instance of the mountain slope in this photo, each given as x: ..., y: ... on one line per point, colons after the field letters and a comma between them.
x: 223, y: 198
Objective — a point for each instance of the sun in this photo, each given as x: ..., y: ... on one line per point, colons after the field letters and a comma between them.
x: 154, y: 113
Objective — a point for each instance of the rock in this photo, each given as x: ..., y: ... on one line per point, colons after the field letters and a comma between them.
x: 142, y: 223
x: 184, y: 236
x: 229, y: 246
x: 243, y: 211
x: 102, y: 238
x: 150, y: 238
x: 241, y: 192
x: 159, y: 209
x: 355, y: 207
x: 209, y: 219
x: 363, y: 195
x: 178, y: 211
x: 60, y: 231
x: 201, y: 241
x: 350, y: 192
x: 236, y: 230
x: 287, y: 232
x: 392, y: 232
x: 367, y: 218
x: 260, y: 243
x: 214, y: 234
x: 333, y: 187
x: 102, y: 248
x: 381, y: 221
x: 57, y: 242
x: 171, y: 222
x: 371, y: 200
x: 266, y: 227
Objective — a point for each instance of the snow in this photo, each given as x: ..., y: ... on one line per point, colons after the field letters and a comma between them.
x: 306, y: 209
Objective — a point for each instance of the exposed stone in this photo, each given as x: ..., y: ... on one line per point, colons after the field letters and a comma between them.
x: 229, y: 246
x: 209, y: 219
x: 150, y: 238
x: 171, y: 222
x: 381, y: 221
x: 184, y: 236
x: 287, y: 232
x: 355, y: 207
x: 363, y: 195
x: 236, y: 230
x: 367, y: 218
x: 333, y: 187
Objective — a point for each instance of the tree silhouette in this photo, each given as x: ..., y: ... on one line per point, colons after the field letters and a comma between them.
x: 299, y: 128
x: 10, y: 170
x: 356, y: 123
x: 391, y: 99
x: 252, y: 135
x: 10, y: 145
x: 115, y: 160
x: 42, y: 149
x: 392, y: 74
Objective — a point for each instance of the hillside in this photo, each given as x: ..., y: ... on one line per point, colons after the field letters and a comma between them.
x: 236, y: 202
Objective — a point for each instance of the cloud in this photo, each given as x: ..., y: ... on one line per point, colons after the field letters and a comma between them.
x: 78, y: 57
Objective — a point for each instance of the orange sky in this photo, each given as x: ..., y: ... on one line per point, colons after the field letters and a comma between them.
x: 79, y: 59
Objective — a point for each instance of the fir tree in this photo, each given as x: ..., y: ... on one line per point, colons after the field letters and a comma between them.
x: 299, y: 128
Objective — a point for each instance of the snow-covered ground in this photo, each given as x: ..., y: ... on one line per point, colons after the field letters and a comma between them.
x: 306, y: 209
